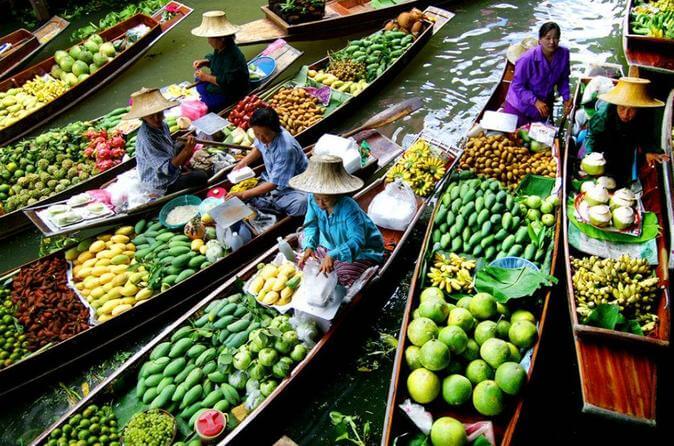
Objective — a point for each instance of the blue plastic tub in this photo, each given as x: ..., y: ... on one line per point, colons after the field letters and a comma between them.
x: 265, y: 64
x: 513, y: 263
x: 183, y: 200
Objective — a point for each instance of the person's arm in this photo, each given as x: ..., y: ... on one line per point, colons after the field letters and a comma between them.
x: 310, y: 234
x: 185, y: 153
x: 260, y: 189
x: 252, y: 156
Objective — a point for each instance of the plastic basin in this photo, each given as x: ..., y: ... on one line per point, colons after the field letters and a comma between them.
x: 183, y: 200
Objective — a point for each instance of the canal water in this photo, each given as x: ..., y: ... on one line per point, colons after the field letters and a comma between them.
x: 454, y: 75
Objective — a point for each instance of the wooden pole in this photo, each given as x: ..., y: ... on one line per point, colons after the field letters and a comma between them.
x: 41, y: 10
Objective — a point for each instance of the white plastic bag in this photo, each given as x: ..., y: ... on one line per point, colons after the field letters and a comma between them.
x: 344, y: 148
x: 393, y: 208
x: 127, y: 192
x: 320, y: 286
x: 598, y: 85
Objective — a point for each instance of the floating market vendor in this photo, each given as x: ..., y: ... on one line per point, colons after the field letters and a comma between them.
x: 229, y: 78
x: 337, y: 232
x: 538, y: 71
x: 283, y: 158
x: 619, y: 128
x: 160, y: 162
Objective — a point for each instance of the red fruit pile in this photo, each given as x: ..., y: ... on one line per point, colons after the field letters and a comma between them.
x: 242, y: 112
x: 107, y: 149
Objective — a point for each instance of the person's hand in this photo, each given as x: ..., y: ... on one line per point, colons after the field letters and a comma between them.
x: 542, y: 108
x: 305, y: 256
x: 652, y: 158
x: 190, y: 143
x: 327, y: 265
x: 568, y: 105
x: 200, y: 75
x: 243, y: 195
x: 199, y: 63
x: 241, y: 164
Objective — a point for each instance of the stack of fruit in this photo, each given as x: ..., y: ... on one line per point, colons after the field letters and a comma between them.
x: 466, y: 351
x: 80, y: 61
x: 297, y: 109
x: 16, y: 103
x: 653, y: 18
x: 93, y: 426
x: 107, y: 149
x: 452, y: 273
x: 14, y: 345
x: 244, y: 109
x: 419, y: 167
x: 275, y: 284
x: 352, y: 87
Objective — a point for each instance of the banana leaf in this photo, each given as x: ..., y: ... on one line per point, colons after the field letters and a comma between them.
x: 511, y: 283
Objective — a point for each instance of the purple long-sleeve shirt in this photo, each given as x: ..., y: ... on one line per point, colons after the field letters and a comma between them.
x: 536, y: 78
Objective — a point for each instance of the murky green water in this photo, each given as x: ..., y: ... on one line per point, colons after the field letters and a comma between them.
x: 454, y: 75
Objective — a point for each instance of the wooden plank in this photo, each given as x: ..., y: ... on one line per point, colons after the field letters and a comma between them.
x: 655, y: 53
x: 259, y: 31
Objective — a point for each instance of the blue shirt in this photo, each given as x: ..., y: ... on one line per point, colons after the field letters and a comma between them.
x: 283, y: 159
x: 348, y: 233
x: 154, y: 151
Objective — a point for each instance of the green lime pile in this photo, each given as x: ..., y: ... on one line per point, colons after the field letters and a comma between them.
x: 151, y: 428
x: 466, y: 351
x: 13, y: 343
x: 93, y: 426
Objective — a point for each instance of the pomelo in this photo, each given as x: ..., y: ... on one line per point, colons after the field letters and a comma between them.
x: 502, y: 328
x: 58, y: 55
x: 82, y: 77
x: 502, y: 309
x: 484, y: 330
x: 482, y: 306
x: 495, y: 352
x: 515, y: 355
x: 107, y: 49
x: 66, y: 63
x: 56, y: 72
x: 462, y: 318
x: 478, y: 371
x: 96, y: 38
x: 100, y: 60
x: 421, y: 330
x: 454, y: 337
x: 431, y: 291
x: 523, y: 315
x: 447, y: 431
x: 92, y: 68
x: 80, y: 68
x: 423, y: 385
x: 415, y: 314
x: 75, y: 52
x: 522, y: 333
x: 488, y: 398
x: 456, y: 389
x: 70, y: 79
x: 434, y: 355
x: 86, y: 56
x: 91, y: 46
x: 510, y: 377
x: 435, y: 310
x: 412, y: 357
x: 463, y: 302
x: 472, y: 350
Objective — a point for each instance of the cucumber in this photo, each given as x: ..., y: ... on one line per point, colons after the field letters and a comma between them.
x: 238, y: 326
x: 238, y: 339
x: 191, y: 396
x: 240, y: 311
x: 178, y: 250
x: 180, y: 347
x: 508, y: 243
x: 224, y: 321
x: 201, y: 321
x: 176, y: 366
x: 193, y: 378
x: 210, y: 368
x: 149, y: 395
x: 181, y: 333
x: 206, y: 356
x: 180, y: 392
x: 184, y: 275
x: 160, y: 350
x: 140, y: 226
x: 182, y: 376
x: 165, y: 381
x: 196, y: 261
x: 196, y: 350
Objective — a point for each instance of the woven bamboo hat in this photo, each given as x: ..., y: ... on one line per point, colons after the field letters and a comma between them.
x: 631, y: 92
x: 516, y: 50
x: 326, y: 175
x: 148, y: 101
x: 215, y: 24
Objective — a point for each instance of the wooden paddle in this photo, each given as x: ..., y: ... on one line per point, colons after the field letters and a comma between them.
x: 391, y: 114
x: 216, y: 143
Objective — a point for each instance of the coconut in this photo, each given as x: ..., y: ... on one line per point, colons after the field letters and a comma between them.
x: 183, y: 122
x: 600, y: 215
x: 607, y: 182
x: 623, y: 217
x: 586, y: 186
x: 597, y: 195
x: 623, y: 197
x: 405, y: 20
x: 593, y: 164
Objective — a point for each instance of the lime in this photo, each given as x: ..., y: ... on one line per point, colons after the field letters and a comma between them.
x: 434, y: 355
x: 523, y: 315
x: 510, y: 377
x: 11, y: 166
x: 447, y: 431
x: 435, y: 310
x: 456, y: 389
x: 484, y: 330
x: 462, y: 318
x: 502, y: 328
x: 488, y: 398
x: 472, y: 350
x: 482, y: 306
x: 495, y: 352
x: 423, y: 385
x: 412, y: 357
x: 455, y: 338
x: 421, y: 330
x: 431, y: 292
x: 522, y: 333
x: 478, y: 371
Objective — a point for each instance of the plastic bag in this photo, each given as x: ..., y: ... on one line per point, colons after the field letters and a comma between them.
x: 306, y: 328
x: 320, y: 286
x: 393, y: 208
x: 598, y: 85
x: 222, y: 160
x: 344, y: 148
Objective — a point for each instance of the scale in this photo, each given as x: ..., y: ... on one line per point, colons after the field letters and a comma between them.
x: 210, y: 124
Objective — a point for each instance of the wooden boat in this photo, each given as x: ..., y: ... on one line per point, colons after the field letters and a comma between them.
x: 62, y: 354
x: 667, y: 144
x: 123, y: 380
x: 95, y: 81
x: 618, y: 371
x: 341, y: 17
x: 396, y: 423
x: 16, y: 221
x: 653, y: 52
x: 25, y: 43
x: 312, y: 133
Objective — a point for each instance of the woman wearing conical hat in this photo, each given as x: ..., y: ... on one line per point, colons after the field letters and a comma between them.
x: 619, y: 128
x: 336, y: 230
x: 159, y: 161
x: 228, y: 80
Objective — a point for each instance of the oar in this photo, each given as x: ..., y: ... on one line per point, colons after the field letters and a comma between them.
x: 391, y: 114
x: 216, y: 143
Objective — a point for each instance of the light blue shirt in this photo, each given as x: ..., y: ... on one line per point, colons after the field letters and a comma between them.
x: 348, y: 233
x: 283, y: 159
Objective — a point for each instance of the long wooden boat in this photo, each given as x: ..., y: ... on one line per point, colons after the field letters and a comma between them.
x: 96, y: 80
x: 17, y: 221
x: 122, y: 381
x: 653, y: 52
x: 24, y: 44
x: 667, y: 143
x: 396, y: 423
x: 40, y: 365
x: 311, y: 133
x: 341, y: 17
x: 619, y: 371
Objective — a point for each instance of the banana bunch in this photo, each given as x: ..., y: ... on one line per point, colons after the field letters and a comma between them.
x: 627, y: 282
x: 419, y: 168
x: 45, y: 91
x: 244, y: 185
x: 451, y: 273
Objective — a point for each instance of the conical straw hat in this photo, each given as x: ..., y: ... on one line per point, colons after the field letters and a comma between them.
x: 515, y: 51
x: 148, y: 101
x: 631, y: 92
x: 326, y: 175
x: 215, y: 24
